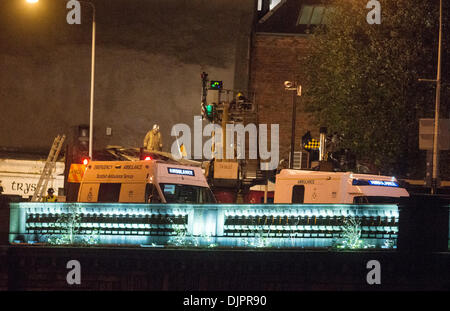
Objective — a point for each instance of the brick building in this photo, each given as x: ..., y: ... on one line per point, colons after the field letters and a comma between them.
x: 279, y: 43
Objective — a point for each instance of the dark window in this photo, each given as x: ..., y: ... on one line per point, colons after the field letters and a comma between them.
x: 269, y: 200
x: 109, y: 192
x: 151, y: 194
x: 148, y: 193
x: 298, y: 194
x: 375, y: 200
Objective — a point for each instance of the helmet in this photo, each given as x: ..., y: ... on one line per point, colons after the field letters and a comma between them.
x: 156, y: 127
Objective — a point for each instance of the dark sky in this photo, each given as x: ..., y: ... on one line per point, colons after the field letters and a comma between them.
x: 137, y: 24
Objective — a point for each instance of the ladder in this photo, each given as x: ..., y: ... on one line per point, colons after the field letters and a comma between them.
x: 47, y: 172
x: 300, y: 160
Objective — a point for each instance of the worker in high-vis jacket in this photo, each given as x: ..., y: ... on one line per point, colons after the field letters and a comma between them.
x: 50, y: 197
x: 153, y: 140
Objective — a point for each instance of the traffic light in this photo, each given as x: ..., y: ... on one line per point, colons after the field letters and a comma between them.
x: 80, y: 156
x: 83, y: 137
x: 80, y: 151
x: 215, y: 85
x: 209, y: 112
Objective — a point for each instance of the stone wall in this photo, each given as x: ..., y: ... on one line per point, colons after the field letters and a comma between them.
x: 40, y: 268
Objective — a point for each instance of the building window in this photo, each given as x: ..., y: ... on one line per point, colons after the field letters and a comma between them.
x: 312, y: 15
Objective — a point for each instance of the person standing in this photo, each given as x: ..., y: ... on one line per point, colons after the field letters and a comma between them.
x: 50, y: 197
x: 153, y: 140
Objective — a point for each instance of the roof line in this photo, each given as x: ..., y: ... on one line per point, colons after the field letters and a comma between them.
x: 283, y: 34
x: 269, y: 14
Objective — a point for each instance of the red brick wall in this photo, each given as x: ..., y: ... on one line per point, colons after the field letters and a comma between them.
x: 276, y: 58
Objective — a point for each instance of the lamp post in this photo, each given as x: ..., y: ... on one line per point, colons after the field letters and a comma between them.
x: 91, y: 106
x: 435, y: 175
x: 293, y: 86
x: 91, y: 109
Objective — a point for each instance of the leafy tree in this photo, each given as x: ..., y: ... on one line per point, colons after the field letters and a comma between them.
x: 363, y: 78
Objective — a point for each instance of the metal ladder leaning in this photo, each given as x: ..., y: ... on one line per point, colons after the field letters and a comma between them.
x: 50, y: 165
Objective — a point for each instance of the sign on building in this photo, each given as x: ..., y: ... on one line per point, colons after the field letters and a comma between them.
x: 20, y: 177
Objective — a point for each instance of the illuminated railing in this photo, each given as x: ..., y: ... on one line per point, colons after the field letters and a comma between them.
x: 223, y: 225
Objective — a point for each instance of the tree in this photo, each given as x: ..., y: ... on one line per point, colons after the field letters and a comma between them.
x: 363, y: 78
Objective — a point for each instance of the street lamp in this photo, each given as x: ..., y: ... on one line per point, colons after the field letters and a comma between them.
x: 91, y: 113
x: 435, y: 176
x: 91, y: 109
x: 293, y: 86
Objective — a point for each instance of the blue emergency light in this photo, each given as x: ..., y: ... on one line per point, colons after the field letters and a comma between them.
x: 383, y: 183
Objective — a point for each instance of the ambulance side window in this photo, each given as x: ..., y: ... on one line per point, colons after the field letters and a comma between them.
x: 360, y: 200
x: 109, y: 192
x: 298, y: 194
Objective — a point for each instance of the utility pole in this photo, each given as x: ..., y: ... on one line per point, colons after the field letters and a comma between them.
x: 294, y: 113
x: 296, y: 91
x: 435, y: 175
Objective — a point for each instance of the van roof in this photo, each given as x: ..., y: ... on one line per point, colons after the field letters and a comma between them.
x: 303, y: 173
x: 140, y: 171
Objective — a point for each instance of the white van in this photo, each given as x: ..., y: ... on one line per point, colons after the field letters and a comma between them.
x: 301, y: 186
x: 147, y: 181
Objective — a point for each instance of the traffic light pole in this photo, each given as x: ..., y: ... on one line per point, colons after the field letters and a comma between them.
x: 91, y: 107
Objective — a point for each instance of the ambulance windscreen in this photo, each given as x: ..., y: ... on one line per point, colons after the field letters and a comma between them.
x: 177, y: 193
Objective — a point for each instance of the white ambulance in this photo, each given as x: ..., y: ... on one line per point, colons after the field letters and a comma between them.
x: 302, y: 186
x: 146, y: 181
